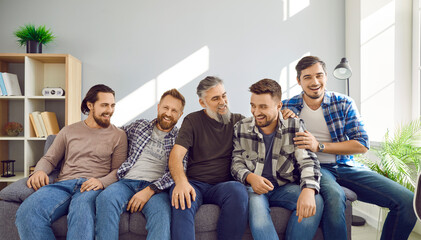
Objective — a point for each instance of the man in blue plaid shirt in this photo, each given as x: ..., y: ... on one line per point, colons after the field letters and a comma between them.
x: 144, y: 176
x: 335, y: 133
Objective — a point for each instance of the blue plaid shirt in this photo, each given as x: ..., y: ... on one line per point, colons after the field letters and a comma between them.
x: 342, y: 119
x: 138, y: 135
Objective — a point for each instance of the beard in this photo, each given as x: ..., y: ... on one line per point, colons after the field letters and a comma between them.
x: 103, y: 123
x: 262, y: 124
x: 222, y: 118
x: 166, y: 125
x: 312, y: 96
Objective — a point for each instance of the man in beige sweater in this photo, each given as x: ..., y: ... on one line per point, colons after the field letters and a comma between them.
x: 92, y: 150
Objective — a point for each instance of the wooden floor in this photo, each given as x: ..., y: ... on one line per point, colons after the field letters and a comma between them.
x: 368, y: 232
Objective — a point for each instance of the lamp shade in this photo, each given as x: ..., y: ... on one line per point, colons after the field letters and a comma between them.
x: 343, y: 70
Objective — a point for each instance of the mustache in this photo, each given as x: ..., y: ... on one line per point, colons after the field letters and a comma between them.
x: 166, y: 116
x: 107, y: 113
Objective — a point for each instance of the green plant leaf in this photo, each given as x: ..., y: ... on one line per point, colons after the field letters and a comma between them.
x: 29, y: 32
x: 399, y: 157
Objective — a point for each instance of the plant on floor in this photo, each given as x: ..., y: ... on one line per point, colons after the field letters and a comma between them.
x: 399, y: 156
x: 29, y: 32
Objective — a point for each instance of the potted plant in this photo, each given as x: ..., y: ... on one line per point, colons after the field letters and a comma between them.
x: 34, y: 37
x: 399, y: 157
x: 13, y: 128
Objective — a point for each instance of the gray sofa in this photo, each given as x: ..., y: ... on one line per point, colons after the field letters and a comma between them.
x: 132, y: 226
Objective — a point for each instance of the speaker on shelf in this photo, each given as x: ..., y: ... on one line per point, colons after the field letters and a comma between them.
x: 52, y: 92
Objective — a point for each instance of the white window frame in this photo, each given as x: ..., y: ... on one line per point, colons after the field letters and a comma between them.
x: 416, y: 60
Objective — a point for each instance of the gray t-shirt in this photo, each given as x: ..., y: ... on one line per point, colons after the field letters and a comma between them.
x: 152, y: 161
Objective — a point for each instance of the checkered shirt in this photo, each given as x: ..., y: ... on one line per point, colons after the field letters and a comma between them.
x: 138, y: 135
x: 342, y: 118
x: 292, y: 163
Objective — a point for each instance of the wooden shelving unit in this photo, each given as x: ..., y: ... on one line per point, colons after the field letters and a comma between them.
x: 35, y: 72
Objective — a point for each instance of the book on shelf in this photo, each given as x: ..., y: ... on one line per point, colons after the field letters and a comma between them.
x: 35, y: 118
x: 41, y: 123
x: 2, y: 86
x: 12, y: 84
x: 50, y: 122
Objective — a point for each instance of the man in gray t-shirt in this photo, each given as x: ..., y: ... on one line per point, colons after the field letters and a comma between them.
x: 144, y: 176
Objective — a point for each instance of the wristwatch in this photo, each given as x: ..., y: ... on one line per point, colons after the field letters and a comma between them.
x: 321, y: 147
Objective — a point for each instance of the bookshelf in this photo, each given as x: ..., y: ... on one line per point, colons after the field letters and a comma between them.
x: 35, y: 72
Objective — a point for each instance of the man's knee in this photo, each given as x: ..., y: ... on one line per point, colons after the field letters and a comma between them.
x: 237, y: 191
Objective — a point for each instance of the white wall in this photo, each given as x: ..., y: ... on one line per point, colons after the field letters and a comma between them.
x: 145, y: 47
x: 379, y: 43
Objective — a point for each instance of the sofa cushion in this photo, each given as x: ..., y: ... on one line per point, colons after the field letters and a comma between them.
x: 16, y: 192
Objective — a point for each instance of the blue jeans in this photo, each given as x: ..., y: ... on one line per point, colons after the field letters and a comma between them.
x: 285, y: 196
x: 230, y: 196
x: 112, y: 202
x: 371, y: 188
x: 49, y: 203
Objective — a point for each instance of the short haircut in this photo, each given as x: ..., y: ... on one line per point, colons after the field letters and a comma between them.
x: 307, y: 62
x: 176, y: 94
x: 206, y: 84
x: 92, y: 96
x: 267, y: 86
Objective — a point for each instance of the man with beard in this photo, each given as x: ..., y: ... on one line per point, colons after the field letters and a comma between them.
x: 276, y: 172
x: 207, y: 137
x: 335, y: 132
x: 144, y: 176
x: 92, y: 150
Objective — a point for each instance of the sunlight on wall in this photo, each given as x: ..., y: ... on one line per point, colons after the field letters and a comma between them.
x: 149, y: 93
x: 288, y: 79
x: 292, y: 7
x: 184, y: 71
x: 377, y: 64
x: 135, y: 103
x: 377, y: 22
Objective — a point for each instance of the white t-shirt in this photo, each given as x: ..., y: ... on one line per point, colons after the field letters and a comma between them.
x: 316, y: 124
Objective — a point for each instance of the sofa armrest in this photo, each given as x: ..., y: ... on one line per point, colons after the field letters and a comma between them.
x: 18, y: 191
x: 350, y: 195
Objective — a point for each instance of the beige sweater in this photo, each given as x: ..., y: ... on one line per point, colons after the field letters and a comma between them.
x: 87, y: 152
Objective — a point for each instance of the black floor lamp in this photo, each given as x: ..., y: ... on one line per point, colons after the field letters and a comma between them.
x: 343, y: 72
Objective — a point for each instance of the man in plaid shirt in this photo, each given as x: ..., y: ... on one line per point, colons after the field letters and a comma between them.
x: 144, y: 176
x: 335, y: 132
x: 276, y: 172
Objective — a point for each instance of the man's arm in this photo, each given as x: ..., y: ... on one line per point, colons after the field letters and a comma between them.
x: 353, y: 129
x: 306, y: 140
x: 183, y: 192
x: 240, y: 171
x: 306, y: 204
x: 138, y: 201
x: 309, y: 167
x: 48, y: 162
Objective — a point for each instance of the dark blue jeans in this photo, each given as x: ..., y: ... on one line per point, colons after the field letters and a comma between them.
x: 230, y: 196
x: 371, y: 188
